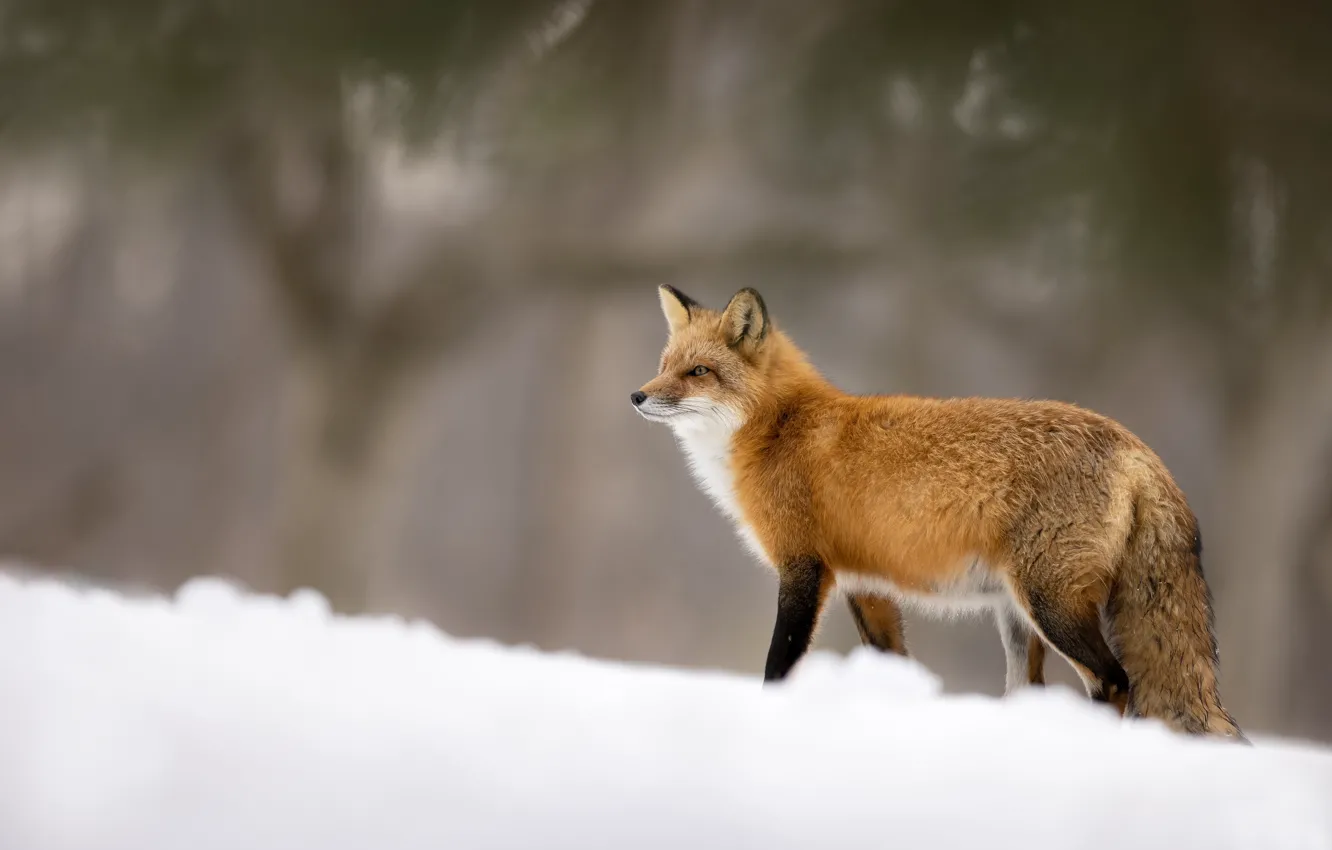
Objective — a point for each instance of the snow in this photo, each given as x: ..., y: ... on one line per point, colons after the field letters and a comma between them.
x: 220, y: 719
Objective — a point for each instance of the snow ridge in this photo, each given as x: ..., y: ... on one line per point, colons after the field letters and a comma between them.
x: 221, y: 719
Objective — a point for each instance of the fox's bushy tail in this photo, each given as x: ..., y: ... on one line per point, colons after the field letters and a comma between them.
x: 1160, y: 617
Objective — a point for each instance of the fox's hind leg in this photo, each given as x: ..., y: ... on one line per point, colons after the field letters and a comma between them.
x: 1024, y: 651
x: 879, y: 621
x: 1071, y: 624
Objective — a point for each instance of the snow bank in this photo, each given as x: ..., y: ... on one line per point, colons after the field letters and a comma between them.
x: 222, y: 720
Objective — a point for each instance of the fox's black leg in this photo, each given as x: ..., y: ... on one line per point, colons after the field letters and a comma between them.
x: 803, y: 587
x: 1075, y: 632
x: 879, y: 622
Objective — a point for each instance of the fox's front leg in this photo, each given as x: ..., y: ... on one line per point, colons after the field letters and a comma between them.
x: 803, y: 588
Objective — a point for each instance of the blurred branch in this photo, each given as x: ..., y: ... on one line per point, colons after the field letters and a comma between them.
x: 295, y: 187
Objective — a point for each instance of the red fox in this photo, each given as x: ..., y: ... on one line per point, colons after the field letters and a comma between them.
x: 1055, y: 518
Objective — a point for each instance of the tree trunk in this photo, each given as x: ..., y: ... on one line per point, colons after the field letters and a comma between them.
x: 350, y: 442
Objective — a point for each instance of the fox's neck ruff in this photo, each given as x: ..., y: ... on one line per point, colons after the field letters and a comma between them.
x: 790, y: 381
x: 708, y: 442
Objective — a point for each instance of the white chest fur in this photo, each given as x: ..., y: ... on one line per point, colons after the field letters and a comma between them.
x: 707, y: 447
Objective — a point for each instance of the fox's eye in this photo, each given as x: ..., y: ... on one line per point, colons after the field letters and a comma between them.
x: 698, y: 371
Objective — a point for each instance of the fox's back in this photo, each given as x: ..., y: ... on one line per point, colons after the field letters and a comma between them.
x: 920, y: 488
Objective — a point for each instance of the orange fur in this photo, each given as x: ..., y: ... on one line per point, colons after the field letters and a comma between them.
x: 1047, y: 513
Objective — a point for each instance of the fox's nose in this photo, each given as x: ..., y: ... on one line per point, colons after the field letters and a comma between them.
x: 638, y: 397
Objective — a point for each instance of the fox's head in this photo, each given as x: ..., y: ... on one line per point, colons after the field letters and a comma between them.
x: 715, y: 364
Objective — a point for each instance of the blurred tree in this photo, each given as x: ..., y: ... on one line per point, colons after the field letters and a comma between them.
x: 263, y: 88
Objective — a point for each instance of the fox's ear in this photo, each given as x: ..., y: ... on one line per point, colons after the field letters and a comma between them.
x: 745, y: 320
x: 677, y: 306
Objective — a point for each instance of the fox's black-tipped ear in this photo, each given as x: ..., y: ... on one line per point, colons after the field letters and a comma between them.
x: 745, y: 319
x: 677, y: 306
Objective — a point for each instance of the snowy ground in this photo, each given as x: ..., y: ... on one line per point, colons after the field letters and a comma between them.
x: 216, y: 719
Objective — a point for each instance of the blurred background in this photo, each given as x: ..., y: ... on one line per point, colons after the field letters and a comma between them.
x: 352, y: 295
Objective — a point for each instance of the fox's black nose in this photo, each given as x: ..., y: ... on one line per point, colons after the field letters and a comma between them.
x: 638, y: 397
